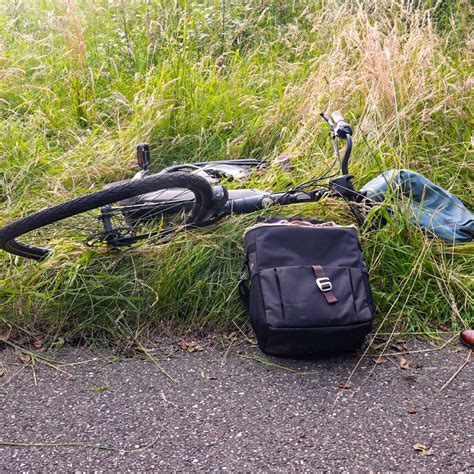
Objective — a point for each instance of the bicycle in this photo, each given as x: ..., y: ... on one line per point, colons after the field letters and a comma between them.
x: 159, y: 205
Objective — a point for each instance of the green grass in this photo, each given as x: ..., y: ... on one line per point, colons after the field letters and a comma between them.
x: 81, y: 83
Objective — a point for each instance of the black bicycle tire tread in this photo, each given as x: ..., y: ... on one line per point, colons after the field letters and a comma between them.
x: 198, y: 185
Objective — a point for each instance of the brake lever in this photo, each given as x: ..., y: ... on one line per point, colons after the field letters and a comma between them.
x: 328, y: 120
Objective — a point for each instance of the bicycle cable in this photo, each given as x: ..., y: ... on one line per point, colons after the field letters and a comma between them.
x: 325, y: 175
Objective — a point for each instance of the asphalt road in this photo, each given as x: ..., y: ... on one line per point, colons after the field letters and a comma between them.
x: 234, y: 412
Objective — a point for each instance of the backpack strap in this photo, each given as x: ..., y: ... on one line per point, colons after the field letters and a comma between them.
x: 324, y: 284
x: 244, y: 292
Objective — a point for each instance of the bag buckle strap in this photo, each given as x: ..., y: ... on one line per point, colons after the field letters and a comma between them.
x: 324, y: 284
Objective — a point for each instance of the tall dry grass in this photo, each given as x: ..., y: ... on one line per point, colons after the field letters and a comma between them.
x: 83, y: 82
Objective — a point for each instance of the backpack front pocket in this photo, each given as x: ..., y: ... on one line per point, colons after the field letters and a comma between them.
x: 305, y: 296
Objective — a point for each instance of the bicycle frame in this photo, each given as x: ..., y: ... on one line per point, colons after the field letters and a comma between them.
x: 240, y: 201
x: 160, y: 204
x: 243, y: 201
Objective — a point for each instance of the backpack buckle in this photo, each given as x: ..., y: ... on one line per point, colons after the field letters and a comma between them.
x: 324, y: 284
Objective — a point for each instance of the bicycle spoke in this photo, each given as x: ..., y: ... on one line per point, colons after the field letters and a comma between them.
x: 154, y: 219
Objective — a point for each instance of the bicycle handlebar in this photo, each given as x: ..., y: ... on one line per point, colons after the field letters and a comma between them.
x: 341, y: 129
x: 259, y: 202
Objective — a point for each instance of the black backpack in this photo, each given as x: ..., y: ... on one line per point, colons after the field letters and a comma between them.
x: 307, y: 289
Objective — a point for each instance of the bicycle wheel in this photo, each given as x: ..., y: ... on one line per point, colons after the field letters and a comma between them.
x: 112, y: 216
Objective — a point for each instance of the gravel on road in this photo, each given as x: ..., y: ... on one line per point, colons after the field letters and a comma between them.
x: 238, y: 410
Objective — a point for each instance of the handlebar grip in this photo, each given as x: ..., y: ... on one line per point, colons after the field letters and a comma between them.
x: 248, y: 204
x: 341, y: 127
x: 337, y: 117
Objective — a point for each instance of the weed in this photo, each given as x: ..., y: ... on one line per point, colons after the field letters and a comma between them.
x: 81, y: 83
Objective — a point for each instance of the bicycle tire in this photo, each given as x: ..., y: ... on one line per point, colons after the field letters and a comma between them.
x: 196, y: 184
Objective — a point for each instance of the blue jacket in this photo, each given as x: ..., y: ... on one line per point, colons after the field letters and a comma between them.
x: 429, y: 205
